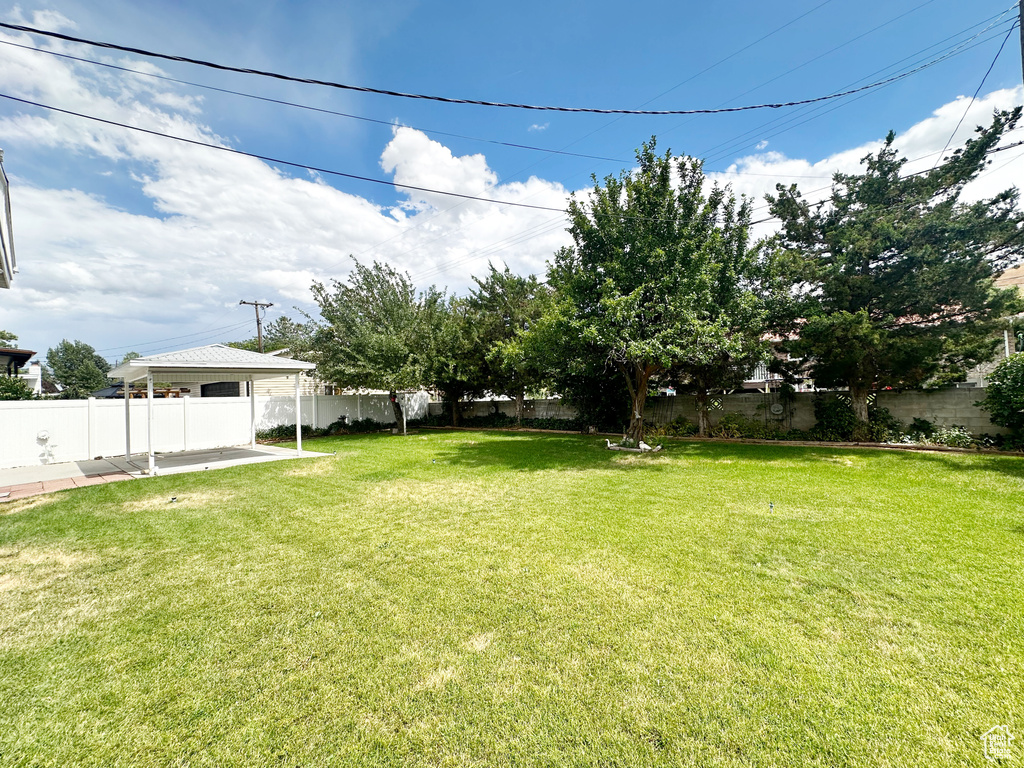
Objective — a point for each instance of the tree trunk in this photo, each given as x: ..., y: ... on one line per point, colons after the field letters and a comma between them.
x: 520, y: 399
x: 396, y: 407
x: 859, y: 401
x: 455, y: 412
x: 638, y: 400
x: 703, y: 420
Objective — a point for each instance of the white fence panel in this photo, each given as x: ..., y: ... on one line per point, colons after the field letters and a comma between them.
x: 42, y: 432
x: 52, y: 431
x: 217, y: 422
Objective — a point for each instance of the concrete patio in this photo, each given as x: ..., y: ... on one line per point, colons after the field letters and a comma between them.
x: 21, y: 482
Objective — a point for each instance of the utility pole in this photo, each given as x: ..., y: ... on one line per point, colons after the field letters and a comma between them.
x: 259, y: 318
x: 1020, y: 23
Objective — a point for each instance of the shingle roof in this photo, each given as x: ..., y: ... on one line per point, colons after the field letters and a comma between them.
x: 213, y: 358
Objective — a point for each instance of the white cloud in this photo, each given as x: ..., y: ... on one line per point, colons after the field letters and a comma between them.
x: 222, y: 226
x: 761, y: 144
x: 757, y: 175
x: 208, y: 228
x: 538, y: 127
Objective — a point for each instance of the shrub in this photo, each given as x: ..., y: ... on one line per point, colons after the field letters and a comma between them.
x: 835, y: 420
x: 921, y: 427
x: 15, y: 388
x: 680, y: 426
x: 883, y: 426
x: 730, y: 425
x: 954, y: 437
x: 1004, y: 395
x: 363, y: 425
x: 736, y: 425
x: 287, y: 432
x: 501, y: 421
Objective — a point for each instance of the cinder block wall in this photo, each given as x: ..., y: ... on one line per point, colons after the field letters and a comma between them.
x: 944, y: 407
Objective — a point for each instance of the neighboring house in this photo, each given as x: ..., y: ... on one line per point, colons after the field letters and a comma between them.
x: 15, y: 362
x: 1013, y: 334
x: 309, y: 384
x: 33, y: 376
x: 12, y: 360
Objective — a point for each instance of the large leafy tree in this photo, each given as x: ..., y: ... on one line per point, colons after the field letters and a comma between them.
x: 454, y: 365
x: 896, y: 273
x: 77, y: 368
x: 504, y: 306
x: 747, y: 298
x: 575, y: 368
x: 376, y: 331
x: 7, y: 339
x: 643, y: 282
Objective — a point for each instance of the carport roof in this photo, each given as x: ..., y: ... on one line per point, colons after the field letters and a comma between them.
x: 215, y: 362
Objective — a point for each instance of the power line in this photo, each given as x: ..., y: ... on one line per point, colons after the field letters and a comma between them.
x: 174, y: 338
x: 268, y: 159
x: 722, y: 149
x: 975, y: 96
x: 448, y: 100
x: 308, y: 107
x: 737, y: 52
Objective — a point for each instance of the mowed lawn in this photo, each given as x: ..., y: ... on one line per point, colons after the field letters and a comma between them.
x: 485, y: 598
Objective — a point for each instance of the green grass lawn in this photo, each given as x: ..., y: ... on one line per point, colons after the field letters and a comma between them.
x: 488, y: 599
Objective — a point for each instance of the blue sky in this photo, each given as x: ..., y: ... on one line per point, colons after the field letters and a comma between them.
x: 128, y: 241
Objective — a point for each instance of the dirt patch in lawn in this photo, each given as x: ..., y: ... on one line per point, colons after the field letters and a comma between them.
x: 23, y: 505
x: 32, y: 568
x: 645, y: 459
x: 189, y: 500
x: 313, y: 468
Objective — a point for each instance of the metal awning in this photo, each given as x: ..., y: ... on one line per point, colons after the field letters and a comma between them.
x: 215, y: 362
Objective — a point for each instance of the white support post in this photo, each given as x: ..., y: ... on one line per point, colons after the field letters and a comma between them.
x: 405, y: 409
x: 252, y: 413
x: 298, y: 417
x: 316, y: 414
x: 92, y: 428
x: 359, y: 408
x: 127, y: 423
x: 149, y: 423
x: 184, y: 422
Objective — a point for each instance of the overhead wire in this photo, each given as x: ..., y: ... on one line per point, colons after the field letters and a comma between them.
x: 729, y: 145
x: 172, y: 338
x: 992, y: 151
x: 448, y: 100
x: 976, y: 92
x: 152, y: 347
x: 268, y: 159
x: 510, y: 144
x: 410, y: 187
x: 309, y: 107
x: 945, y: 54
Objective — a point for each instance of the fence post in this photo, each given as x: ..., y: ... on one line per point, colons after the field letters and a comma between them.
x: 184, y: 422
x: 91, y: 427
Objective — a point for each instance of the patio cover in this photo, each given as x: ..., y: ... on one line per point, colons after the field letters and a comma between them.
x: 215, y: 362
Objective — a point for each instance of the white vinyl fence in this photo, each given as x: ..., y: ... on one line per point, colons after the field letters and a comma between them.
x: 52, y: 431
